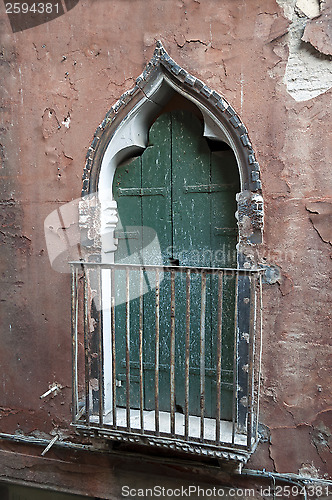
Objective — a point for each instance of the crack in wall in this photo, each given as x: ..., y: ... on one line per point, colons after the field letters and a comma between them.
x: 321, y: 435
x: 317, y: 435
x: 271, y: 458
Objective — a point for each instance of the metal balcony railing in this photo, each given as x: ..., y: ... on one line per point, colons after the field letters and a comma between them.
x: 167, y: 356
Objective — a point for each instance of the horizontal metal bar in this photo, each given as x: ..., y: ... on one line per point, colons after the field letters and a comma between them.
x: 149, y: 365
x: 136, y: 378
x: 182, y: 269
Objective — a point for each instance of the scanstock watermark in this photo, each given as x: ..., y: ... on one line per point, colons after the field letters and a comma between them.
x: 66, y: 242
x: 192, y: 490
x: 25, y: 14
x: 283, y: 492
x: 71, y: 233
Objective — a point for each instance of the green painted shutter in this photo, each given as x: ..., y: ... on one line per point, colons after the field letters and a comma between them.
x: 186, y: 194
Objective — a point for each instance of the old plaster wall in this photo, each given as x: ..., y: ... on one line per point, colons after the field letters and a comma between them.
x: 59, y: 79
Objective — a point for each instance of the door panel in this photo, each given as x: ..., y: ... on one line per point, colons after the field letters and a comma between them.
x: 130, y: 243
x: 157, y: 214
x: 187, y: 195
x: 223, y: 244
x: 191, y: 242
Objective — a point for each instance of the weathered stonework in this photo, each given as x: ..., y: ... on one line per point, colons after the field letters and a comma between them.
x: 250, y: 217
x: 162, y: 62
x: 90, y: 222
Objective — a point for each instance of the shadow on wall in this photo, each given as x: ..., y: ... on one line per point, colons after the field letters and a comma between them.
x: 25, y: 15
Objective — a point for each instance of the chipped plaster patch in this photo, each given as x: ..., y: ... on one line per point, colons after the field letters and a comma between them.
x: 318, y: 32
x: 308, y: 470
x: 308, y: 74
x: 66, y: 121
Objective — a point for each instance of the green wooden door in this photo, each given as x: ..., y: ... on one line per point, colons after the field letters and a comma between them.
x: 185, y: 194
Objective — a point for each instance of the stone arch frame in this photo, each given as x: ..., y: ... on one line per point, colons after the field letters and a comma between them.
x: 124, y: 133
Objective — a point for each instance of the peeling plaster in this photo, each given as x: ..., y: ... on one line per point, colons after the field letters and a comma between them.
x: 66, y: 121
x: 308, y: 470
x: 308, y: 72
x: 321, y: 435
x: 2, y: 156
x: 50, y: 123
x: 300, y: 443
x: 318, y: 32
x: 286, y: 285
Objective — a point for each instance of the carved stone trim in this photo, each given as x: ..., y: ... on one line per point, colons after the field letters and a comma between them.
x: 97, y: 224
x: 220, y: 452
x: 250, y: 216
x: 90, y: 222
x: 109, y: 220
x: 162, y: 63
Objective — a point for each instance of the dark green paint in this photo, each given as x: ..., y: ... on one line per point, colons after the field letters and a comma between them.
x: 186, y: 194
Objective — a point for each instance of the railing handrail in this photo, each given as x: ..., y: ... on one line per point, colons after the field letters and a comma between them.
x: 153, y: 267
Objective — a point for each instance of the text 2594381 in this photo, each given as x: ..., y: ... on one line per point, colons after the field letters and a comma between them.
x: 36, y: 7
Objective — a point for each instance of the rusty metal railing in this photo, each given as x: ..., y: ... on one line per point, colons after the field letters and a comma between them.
x: 142, y: 335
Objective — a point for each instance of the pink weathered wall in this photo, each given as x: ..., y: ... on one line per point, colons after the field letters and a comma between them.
x: 58, y: 81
